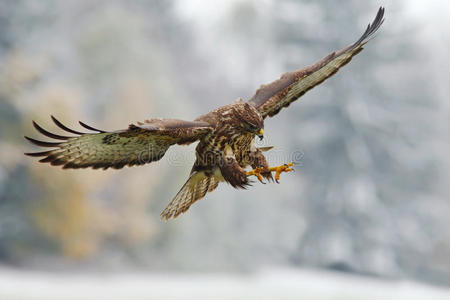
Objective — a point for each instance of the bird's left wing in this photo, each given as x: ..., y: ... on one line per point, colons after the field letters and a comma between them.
x: 271, y: 98
x: 141, y: 143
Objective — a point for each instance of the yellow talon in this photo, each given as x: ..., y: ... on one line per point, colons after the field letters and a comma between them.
x: 280, y: 169
x: 257, y: 172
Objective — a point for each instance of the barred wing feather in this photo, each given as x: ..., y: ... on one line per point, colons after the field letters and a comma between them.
x: 271, y: 98
x: 139, y: 144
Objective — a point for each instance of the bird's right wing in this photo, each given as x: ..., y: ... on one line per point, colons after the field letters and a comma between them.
x: 139, y: 144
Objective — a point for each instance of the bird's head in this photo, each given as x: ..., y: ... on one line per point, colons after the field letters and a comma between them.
x: 250, y: 119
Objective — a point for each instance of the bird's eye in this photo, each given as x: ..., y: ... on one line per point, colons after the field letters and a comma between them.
x: 252, y: 127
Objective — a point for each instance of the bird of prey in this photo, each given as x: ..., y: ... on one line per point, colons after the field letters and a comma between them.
x: 226, y: 135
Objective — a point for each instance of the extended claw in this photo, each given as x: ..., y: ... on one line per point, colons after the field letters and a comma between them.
x: 280, y: 169
x: 257, y: 172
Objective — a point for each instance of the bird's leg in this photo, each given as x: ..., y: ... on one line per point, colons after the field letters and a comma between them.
x: 280, y: 169
x: 257, y: 172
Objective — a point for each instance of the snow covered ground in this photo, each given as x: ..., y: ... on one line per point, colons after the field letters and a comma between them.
x: 270, y: 284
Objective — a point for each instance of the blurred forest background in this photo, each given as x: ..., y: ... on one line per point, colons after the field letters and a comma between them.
x: 370, y: 197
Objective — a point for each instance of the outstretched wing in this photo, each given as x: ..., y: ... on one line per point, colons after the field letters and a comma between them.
x: 139, y: 144
x: 271, y: 98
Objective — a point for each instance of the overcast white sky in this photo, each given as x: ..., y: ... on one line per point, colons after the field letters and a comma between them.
x: 207, y: 11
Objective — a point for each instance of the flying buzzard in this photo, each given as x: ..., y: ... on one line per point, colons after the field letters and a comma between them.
x: 226, y: 135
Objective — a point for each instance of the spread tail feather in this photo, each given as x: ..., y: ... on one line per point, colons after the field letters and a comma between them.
x: 194, y: 189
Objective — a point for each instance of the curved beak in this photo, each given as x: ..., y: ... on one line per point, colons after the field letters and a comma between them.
x: 261, y: 134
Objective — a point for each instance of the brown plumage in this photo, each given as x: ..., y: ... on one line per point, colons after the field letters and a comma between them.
x: 226, y: 135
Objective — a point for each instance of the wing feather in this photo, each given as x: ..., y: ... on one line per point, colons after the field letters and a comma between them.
x: 271, y: 98
x: 137, y: 145
x: 64, y: 127
x: 90, y: 127
x: 49, y: 134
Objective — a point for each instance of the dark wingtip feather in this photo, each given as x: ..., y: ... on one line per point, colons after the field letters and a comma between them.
x: 37, y: 154
x: 41, y: 143
x: 371, y: 28
x: 49, y: 158
x: 63, y: 127
x: 58, y: 162
x: 49, y: 134
x: 90, y: 127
